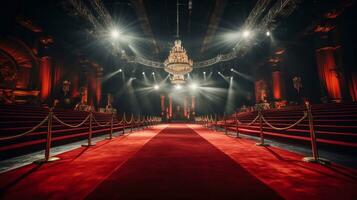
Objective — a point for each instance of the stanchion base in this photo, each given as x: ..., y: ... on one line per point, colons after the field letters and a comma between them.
x: 262, y: 144
x: 321, y: 161
x: 109, y: 138
x: 88, y: 145
x: 42, y: 161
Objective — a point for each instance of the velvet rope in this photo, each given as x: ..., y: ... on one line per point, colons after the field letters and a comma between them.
x: 285, y: 128
x: 70, y: 125
x: 99, y: 124
x: 248, y: 124
x: 27, y: 132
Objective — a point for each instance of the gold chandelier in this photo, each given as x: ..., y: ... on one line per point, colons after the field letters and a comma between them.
x: 178, y: 64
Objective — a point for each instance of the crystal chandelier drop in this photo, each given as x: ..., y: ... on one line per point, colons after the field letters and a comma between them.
x: 178, y: 64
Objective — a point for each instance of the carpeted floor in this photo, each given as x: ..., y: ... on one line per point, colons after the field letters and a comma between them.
x: 180, y: 164
x: 178, y: 161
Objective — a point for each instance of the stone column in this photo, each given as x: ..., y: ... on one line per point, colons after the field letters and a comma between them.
x: 45, y: 77
x: 170, y: 106
x: 193, y: 105
x: 162, y: 99
x: 278, y: 85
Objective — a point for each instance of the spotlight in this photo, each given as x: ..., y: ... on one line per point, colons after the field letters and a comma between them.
x: 120, y: 70
x: 204, y: 72
x: 178, y: 87
x: 246, y: 33
x: 153, y: 73
x: 143, y: 73
x: 232, y: 69
x: 193, y: 86
x: 267, y: 33
x: 231, y: 77
x: 115, y: 34
x: 219, y: 72
x: 156, y: 87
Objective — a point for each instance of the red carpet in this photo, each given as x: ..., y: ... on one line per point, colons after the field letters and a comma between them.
x: 77, y: 173
x: 284, y: 171
x: 179, y: 163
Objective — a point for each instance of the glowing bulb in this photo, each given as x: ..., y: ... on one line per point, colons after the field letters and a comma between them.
x: 204, y: 72
x: 143, y: 73
x: 156, y: 87
x: 268, y: 33
x: 193, y: 86
x: 246, y: 34
x: 115, y: 34
x: 120, y: 70
x: 178, y: 87
x: 232, y: 69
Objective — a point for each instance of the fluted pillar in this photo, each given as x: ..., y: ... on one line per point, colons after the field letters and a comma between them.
x: 170, y: 106
x: 260, y: 91
x: 277, y: 82
x: 45, y: 77
x: 162, y: 101
x: 193, y: 105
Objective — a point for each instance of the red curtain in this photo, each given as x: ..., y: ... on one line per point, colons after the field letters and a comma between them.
x: 57, y: 75
x: 162, y: 98
x: 353, y: 86
x: 327, y: 71
x: 75, y: 85
x: 260, y: 91
x: 98, y: 91
x: 45, y: 77
x: 277, y: 87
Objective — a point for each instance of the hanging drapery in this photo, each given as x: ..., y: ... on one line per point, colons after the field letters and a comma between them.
x: 57, y: 75
x: 353, y: 86
x: 45, y: 77
x: 260, y: 91
x: 277, y: 85
x: 328, y: 72
x: 75, y: 85
x: 98, y: 92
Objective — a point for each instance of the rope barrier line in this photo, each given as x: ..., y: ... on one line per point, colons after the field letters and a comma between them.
x: 137, y: 121
x: 130, y: 121
x: 99, y: 124
x: 121, y: 122
x: 248, y: 124
x: 27, y: 132
x: 70, y: 125
x: 285, y: 128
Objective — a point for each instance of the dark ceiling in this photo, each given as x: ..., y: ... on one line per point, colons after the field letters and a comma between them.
x: 152, y: 25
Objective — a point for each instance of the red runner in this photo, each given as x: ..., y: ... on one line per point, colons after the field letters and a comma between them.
x: 180, y: 164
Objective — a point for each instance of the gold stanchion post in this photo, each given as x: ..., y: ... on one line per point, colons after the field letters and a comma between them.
x: 216, y: 122
x: 124, y: 122
x: 89, y: 131
x: 315, y: 154
x: 111, y: 127
x: 261, y: 143
x: 237, y: 125
x: 225, y: 124
x: 48, y: 157
x: 131, y: 123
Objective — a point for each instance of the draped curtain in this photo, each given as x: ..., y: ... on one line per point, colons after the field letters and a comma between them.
x: 328, y: 72
x: 45, y: 77
x: 277, y: 85
x: 353, y: 86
